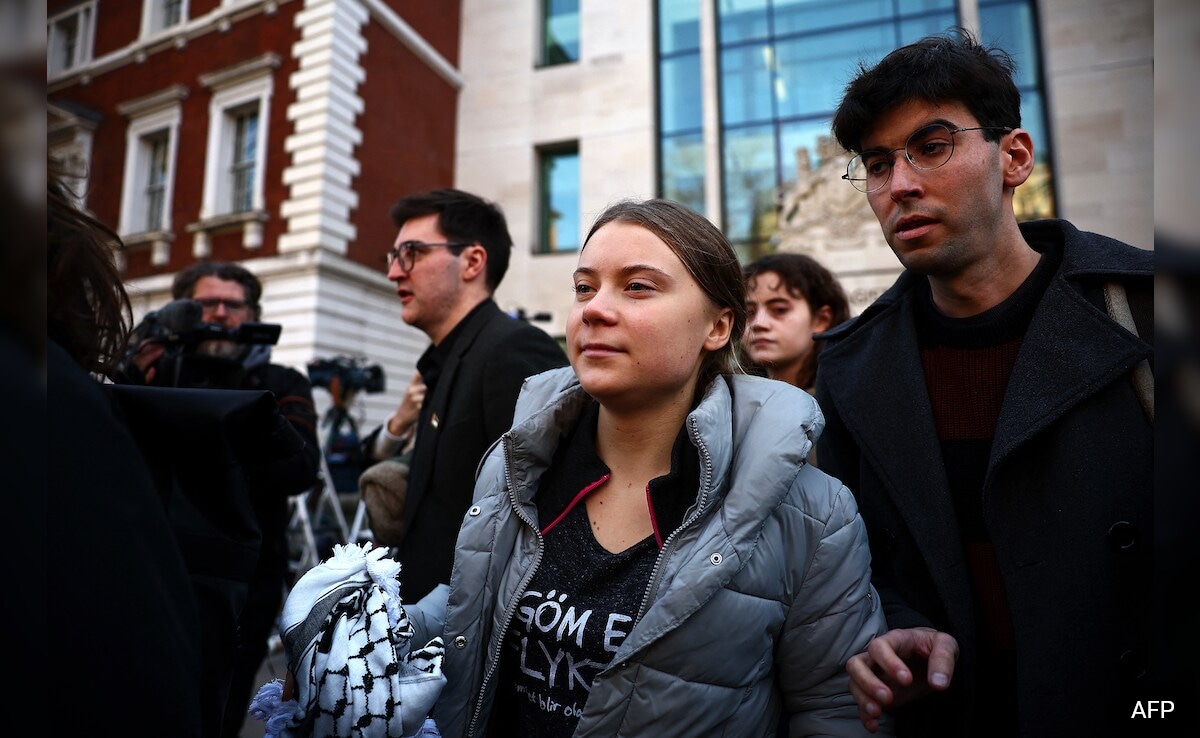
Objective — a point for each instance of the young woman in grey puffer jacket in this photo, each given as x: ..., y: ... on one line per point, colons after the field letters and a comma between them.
x: 648, y: 553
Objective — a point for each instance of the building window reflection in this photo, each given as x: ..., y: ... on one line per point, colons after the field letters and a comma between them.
x: 680, y: 104
x: 781, y: 68
x: 560, y: 32
x: 558, y: 199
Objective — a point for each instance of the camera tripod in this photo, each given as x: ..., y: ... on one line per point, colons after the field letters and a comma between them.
x: 311, y: 511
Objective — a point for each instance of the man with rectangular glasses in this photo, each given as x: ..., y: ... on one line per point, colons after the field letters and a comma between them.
x: 450, y: 253
x: 986, y: 412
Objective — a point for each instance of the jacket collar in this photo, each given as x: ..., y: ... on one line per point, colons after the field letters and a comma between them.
x: 746, y: 431
x: 1084, y: 255
x: 443, y: 357
x: 555, y: 421
x: 577, y: 470
x: 751, y: 414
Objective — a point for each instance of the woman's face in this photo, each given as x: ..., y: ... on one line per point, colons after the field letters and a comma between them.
x: 779, y: 326
x: 640, y: 325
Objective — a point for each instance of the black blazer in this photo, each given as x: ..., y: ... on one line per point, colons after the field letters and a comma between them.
x: 1067, y: 495
x: 472, y: 406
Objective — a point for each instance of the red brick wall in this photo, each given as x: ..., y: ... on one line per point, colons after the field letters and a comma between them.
x: 246, y: 39
x: 409, y: 123
x: 408, y: 127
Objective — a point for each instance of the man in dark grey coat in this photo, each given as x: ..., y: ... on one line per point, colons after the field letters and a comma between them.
x: 984, y: 413
x: 451, y: 252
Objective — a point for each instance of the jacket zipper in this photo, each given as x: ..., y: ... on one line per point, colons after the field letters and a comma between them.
x: 511, y: 610
x: 705, y: 481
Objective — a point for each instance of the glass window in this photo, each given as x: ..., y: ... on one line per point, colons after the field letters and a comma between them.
x: 172, y: 12
x: 782, y: 67
x: 915, y: 29
x: 683, y: 170
x: 681, y: 109
x: 750, y: 178
x: 813, y: 70
x: 742, y: 20
x: 678, y: 26
x: 147, y: 184
x: 69, y: 39
x: 1035, y: 198
x: 559, y: 199
x: 680, y: 101
x: 1009, y: 25
x: 802, y: 135
x: 560, y: 31
x: 806, y: 16
x: 245, y: 146
x: 157, y: 146
x: 158, y: 15
x: 917, y: 6
x: 69, y: 48
x: 746, y: 84
x: 235, y: 160
x: 69, y: 145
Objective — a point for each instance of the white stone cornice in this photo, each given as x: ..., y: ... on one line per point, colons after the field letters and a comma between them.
x: 259, y: 65
x: 154, y: 101
x: 325, y: 134
x: 219, y: 19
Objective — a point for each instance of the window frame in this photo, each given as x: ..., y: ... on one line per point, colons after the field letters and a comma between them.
x: 226, y: 102
x: 544, y: 38
x: 134, y: 205
x: 84, y: 49
x: 543, y: 155
x: 240, y: 190
x: 153, y: 12
x: 154, y: 191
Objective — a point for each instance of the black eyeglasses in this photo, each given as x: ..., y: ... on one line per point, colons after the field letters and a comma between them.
x: 406, y: 252
x: 927, y: 148
x: 208, y: 304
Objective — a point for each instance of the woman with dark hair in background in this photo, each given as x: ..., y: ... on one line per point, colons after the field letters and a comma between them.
x: 789, y: 297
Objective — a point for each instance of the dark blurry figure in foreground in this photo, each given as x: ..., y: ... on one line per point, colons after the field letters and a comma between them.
x: 121, y: 590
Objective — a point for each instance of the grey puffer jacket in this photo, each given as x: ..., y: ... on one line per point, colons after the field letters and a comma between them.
x: 755, y: 603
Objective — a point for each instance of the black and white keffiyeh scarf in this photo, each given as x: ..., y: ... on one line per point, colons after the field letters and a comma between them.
x: 347, y: 641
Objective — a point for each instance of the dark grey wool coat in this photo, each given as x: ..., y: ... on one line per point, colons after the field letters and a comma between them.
x: 1067, y: 496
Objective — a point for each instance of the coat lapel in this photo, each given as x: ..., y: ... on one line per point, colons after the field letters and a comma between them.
x: 1071, y: 350
x: 422, y: 469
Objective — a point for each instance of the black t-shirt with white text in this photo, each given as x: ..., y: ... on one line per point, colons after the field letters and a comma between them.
x: 573, y: 617
x: 583, y: 600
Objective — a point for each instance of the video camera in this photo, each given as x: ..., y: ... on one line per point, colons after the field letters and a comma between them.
x: 344, y: 376
x: 179, y: 327
x: 352, y: 374
x: 179, y: 322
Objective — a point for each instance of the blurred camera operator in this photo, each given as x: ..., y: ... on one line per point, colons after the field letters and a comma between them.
x: 228, y: 297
